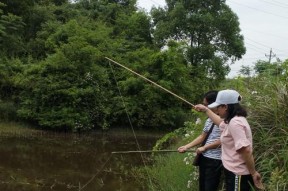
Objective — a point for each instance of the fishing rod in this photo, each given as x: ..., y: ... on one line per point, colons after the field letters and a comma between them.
x: 148, y: 151
x: 143, y: 77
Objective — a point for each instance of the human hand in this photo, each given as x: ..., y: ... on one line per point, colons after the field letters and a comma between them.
x: 200, y: 150
x: 257, y: 181
x: 182, y: 149
x: 200, y: 107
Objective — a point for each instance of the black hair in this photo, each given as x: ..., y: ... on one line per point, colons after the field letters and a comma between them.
x: 211, y: 96
x: 235, y: 110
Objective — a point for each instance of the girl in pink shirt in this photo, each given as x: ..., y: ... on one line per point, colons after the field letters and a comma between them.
x: 236, y: 141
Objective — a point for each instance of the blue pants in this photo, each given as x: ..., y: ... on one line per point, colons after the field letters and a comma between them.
x: 210, y: 171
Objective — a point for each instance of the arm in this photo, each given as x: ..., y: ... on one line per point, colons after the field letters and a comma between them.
x: 214, y: 117
x: 246, y: 154
x: 195, y: 142
x: 213, y: 145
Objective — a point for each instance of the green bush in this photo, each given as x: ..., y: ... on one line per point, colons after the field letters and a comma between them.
x: 8, y: 111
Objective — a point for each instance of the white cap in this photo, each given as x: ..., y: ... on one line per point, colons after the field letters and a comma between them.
x: 225, y: 97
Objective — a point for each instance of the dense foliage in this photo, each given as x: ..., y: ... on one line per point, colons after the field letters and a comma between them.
x: 54, y: 73
x: 210, y: 31
x: 266, y: 98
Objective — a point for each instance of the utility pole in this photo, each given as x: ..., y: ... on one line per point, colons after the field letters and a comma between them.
x: 271, y: 54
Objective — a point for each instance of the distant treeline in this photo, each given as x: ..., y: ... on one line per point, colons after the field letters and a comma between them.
x: 53, y: 71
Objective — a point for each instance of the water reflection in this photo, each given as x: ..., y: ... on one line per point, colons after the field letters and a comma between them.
x: 70, y: 162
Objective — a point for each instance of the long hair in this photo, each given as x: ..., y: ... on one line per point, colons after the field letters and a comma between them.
x: 235, y: 110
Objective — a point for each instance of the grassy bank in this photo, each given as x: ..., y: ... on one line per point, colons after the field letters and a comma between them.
x: 173, y: 171
x: 268, y: 108
x: 19, y: 129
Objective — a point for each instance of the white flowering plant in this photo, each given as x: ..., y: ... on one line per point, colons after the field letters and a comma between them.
x: 193, y: 129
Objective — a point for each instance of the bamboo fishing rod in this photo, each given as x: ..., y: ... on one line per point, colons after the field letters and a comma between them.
x: 148, y: 151
x: 143, y: 77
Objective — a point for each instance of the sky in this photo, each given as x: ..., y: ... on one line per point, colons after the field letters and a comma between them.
x: 264, y: 25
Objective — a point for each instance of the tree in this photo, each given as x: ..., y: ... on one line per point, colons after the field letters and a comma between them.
x: 147, y: 105
x: 210, y: 30
x: 245, y: 70
x: 265, y: 67
x: 67, y: 90
x: 11, y: 42
x: 63, y: 81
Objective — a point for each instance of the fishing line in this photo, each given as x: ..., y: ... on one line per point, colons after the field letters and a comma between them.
x: 92, y: 178
x: 129, y: 119
x: 148, y: 80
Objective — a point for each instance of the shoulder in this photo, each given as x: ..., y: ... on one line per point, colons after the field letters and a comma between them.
x: 207, y: 125
x: 238, y: 123
x: 238, y: 120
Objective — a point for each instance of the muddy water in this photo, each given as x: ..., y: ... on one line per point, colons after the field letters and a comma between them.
x: 71, y: 162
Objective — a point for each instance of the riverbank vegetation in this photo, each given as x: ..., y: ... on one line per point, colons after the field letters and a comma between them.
x: 17, y: 129
x: 54, y: 74
x: 267, y: 105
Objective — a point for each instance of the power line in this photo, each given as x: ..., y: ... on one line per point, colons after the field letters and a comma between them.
x: 255, y: 58
x: 282, y: 3
x: 258, y: 9
x: 269, y: 34
x: 275, y: 4
x: 253, y: 46
x: 258, y: 43
x: 264, y: 45
x: 256, y: 47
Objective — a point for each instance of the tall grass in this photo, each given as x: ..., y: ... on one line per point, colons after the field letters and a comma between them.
x: 174, y: 171
x: 170, y: 173
x: 15, y: 128
x: 267, y: 102
x: 269, y: 119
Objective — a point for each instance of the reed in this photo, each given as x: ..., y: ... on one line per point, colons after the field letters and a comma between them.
x: 267, y: 102
x: 15, y: 128
x: 173, y: 171
x: 169, y: 173
x: 269, y: 121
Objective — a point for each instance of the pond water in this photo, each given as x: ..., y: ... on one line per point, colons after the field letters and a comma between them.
x: 61, y: 162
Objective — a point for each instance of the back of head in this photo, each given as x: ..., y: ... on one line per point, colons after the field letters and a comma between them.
x: 211, y: 96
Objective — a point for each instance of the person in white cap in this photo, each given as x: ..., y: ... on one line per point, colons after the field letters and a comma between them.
x: 236, y: 141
